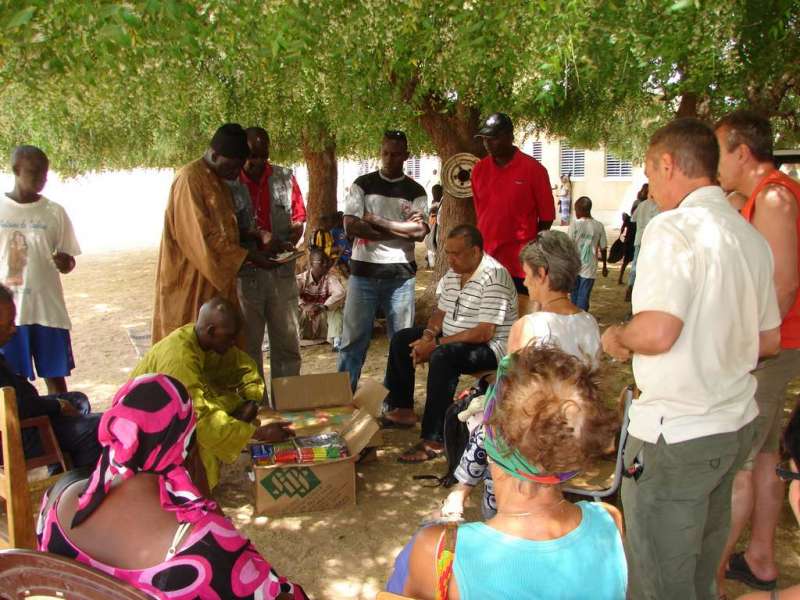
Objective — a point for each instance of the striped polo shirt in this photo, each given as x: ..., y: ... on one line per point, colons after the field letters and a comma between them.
x: 488, y: 296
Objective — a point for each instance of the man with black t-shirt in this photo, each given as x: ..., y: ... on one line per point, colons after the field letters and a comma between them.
x: 385, y: 212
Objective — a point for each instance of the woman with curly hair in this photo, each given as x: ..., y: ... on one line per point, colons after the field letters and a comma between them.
x: 547, y: 423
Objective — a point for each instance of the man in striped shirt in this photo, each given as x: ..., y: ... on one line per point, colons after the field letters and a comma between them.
x: 466, y: 333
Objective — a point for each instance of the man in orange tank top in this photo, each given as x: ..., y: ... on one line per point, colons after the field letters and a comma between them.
x: 773, y: 207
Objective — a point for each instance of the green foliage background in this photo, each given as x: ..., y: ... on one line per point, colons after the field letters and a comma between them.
x: 107, y: 85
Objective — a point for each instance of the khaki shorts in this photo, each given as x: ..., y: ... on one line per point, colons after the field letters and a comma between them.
x: 773, y: 375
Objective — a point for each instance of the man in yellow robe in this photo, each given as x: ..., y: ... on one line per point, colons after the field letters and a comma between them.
x: 223, y: 382
x: 200, y: 253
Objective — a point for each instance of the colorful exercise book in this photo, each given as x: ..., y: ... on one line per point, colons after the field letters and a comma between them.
x: 306, y: 449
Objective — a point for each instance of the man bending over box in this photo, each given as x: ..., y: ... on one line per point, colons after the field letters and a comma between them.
x: 223, y: 382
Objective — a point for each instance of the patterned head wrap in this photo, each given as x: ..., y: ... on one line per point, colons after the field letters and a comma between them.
x: 508, y: 459
x: 147, y: 430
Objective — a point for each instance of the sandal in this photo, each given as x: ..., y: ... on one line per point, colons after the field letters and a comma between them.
x: 387, y: 423
x: 419, y: 453
x: 739, y: 570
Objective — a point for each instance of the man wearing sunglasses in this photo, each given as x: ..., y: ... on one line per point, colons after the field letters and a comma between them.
x: 386, y: 213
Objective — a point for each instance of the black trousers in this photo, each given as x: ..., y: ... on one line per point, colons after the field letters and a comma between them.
x: 447, y: 363
x: 77, y: 436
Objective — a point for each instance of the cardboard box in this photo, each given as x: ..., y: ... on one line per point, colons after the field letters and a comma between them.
x: 299, y: 488
x: 303, y: 399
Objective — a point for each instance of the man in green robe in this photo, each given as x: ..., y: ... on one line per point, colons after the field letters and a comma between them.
x: 223, y: 382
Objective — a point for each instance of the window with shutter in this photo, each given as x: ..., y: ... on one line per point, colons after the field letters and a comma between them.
x: 616, y: 167
x: 572, y: 161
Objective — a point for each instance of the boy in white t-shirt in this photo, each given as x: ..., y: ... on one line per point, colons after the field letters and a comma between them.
x: 37, y: 242
x: 589, y: 236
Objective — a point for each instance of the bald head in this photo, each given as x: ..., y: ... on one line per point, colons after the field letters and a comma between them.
x: 219, y: 312
x: 217, y: 325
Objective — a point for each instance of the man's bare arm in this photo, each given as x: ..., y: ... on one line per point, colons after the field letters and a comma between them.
x: 649, y: 332
x: 353, y: 226
x: 414, y: 229
x: 776, y: 219
x: 482, y: 333
x: 769, y: 342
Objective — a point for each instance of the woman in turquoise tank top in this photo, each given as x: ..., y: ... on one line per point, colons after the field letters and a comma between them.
x: 547, y: 423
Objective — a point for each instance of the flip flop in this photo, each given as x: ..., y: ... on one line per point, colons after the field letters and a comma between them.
x: 411, y: 455
x: 387, y: 423
x: 739, y: 570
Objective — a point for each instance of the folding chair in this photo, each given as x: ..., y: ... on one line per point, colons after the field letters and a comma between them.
x: 601, y: 494
x: 24, y: 574
x: 20, y: 495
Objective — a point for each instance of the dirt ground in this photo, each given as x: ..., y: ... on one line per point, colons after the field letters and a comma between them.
x: 343, y: 554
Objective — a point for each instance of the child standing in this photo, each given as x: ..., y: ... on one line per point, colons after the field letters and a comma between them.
x: 37, y: 242
x: 590, y: 237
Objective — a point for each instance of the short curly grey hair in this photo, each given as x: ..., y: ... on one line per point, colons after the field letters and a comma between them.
x: 557, y: 254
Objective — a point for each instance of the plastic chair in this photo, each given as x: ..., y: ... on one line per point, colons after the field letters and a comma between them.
x: 25, y: 573
x: 601, y: 494
x: 14, y: 485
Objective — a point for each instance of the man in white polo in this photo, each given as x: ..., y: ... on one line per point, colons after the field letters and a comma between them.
x: 704, y: 310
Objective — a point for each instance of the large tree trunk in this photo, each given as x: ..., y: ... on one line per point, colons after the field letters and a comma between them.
x: 322, y: 178
x: 451, y: 132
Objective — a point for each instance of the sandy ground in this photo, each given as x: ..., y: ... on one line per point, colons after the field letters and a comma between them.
x: 336, y: 554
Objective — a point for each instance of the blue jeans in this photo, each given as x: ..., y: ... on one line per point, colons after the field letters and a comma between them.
x: 364, y: 296
x: 581, y: 292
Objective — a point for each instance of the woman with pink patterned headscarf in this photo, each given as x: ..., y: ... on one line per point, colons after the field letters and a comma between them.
x: 140, y: 518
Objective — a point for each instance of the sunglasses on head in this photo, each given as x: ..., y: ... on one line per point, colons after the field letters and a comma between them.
x: 394, y: 134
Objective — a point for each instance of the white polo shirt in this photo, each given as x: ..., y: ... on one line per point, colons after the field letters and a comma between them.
x: 703, y: 263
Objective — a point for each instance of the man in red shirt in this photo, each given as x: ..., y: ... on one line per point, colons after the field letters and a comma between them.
x: 513, y: 199
x: 269, y: 296
x: 773, y: 207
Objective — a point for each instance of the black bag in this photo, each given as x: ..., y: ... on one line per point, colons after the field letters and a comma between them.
x: 617, y: 251
x: 456, y: 434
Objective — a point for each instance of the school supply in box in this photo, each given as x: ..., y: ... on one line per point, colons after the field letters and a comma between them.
x: 306, y: 449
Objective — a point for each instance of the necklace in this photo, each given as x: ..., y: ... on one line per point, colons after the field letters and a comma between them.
x: 549, y: 302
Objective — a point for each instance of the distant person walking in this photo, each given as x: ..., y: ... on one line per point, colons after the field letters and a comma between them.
x: 589, y: 236
x: 513, y: 199
x: 37, y: 244
x: 200, y: 254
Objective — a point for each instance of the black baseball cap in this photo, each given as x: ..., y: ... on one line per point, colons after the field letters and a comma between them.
x: 496, y: 124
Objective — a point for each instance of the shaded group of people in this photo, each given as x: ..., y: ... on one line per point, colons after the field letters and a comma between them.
x: 715, y: 299
x: 713, y: 342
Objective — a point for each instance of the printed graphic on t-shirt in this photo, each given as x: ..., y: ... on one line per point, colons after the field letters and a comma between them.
x: 17, y: 259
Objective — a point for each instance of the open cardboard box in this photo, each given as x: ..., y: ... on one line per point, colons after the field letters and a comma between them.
x: 323, y: 402
x: 296, y: 488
